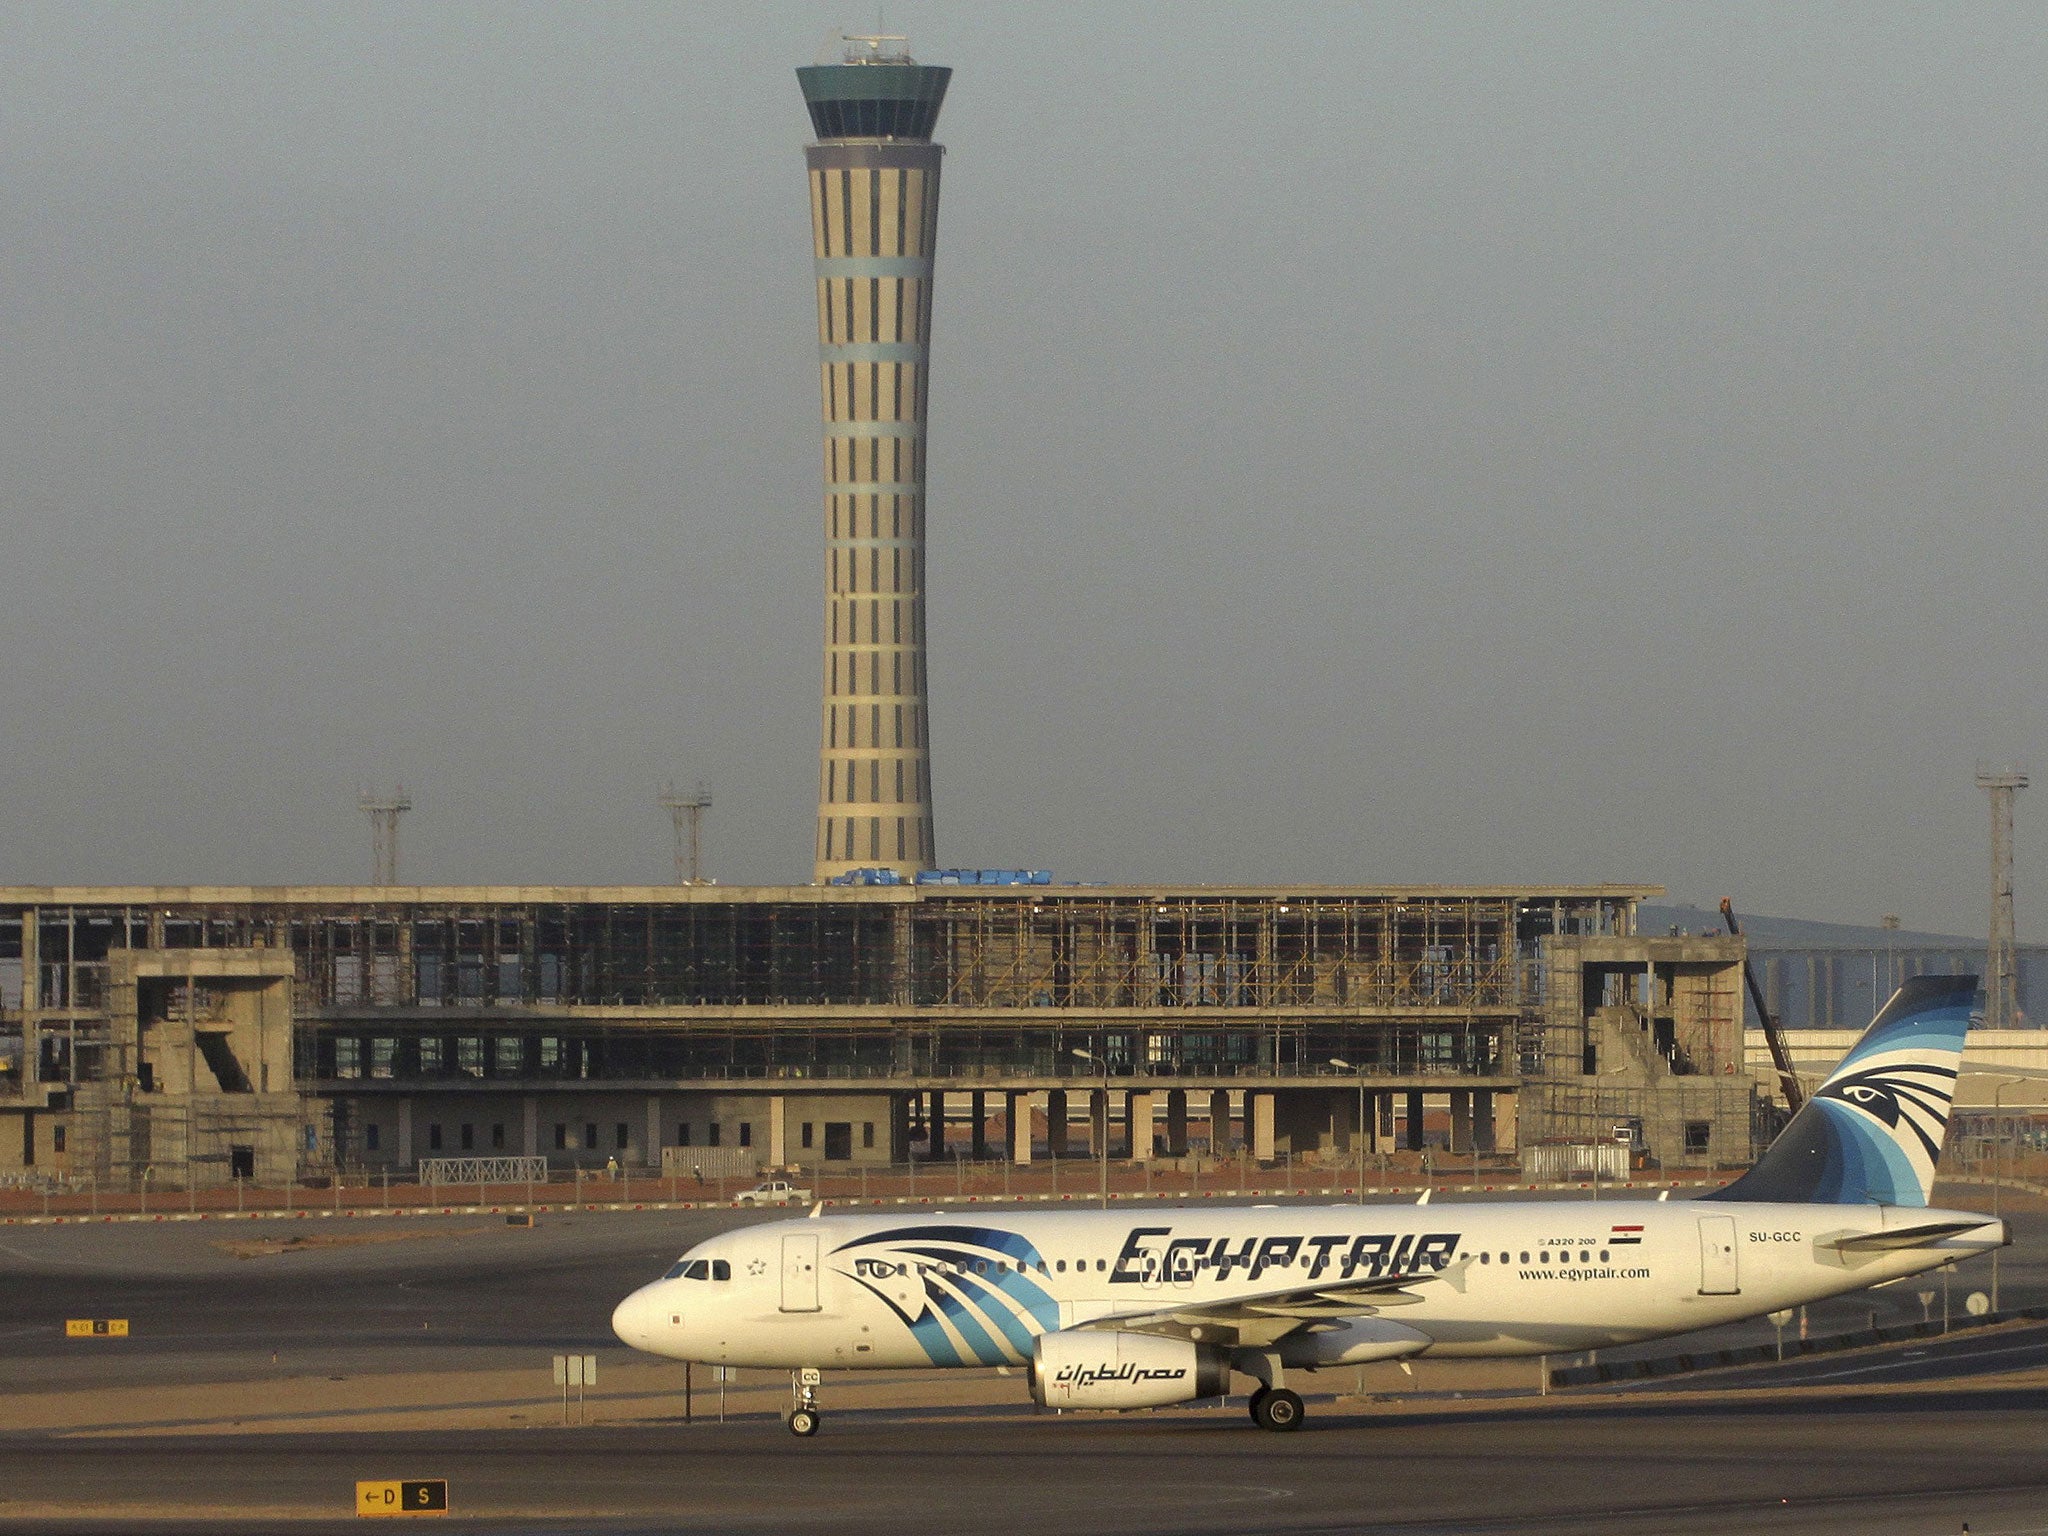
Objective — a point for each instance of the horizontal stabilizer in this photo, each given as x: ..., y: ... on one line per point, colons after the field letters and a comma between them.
x: 1924, y: 1236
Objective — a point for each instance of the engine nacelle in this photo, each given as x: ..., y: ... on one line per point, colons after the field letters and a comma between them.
x: 1079, y: 1368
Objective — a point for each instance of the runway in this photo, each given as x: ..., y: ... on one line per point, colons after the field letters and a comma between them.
x: 1924, y: 1464
x: 265, y: 1377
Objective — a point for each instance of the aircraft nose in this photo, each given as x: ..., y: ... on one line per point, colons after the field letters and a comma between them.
x: 634, y: 1319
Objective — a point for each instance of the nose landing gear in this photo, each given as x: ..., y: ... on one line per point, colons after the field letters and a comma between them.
x: 802, y: 1418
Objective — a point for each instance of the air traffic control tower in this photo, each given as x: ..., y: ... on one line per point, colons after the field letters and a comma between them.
x: 874, y: 228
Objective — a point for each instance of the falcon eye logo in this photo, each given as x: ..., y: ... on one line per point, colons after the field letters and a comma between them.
x: 879, y: 1269
x: 1915, y: 1097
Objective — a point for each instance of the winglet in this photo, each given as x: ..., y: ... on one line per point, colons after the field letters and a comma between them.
x: 1423, y: 1198
x: 817, y: 1210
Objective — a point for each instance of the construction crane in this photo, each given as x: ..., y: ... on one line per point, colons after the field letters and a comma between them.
x: 1788, y: 1080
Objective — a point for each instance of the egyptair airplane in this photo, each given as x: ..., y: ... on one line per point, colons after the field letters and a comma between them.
x: 1143, y: 1309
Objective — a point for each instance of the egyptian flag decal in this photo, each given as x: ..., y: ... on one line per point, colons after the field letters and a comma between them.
x: 1617, y: 1236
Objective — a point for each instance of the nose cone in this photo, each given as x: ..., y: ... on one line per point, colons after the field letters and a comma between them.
x: 634, y: 1319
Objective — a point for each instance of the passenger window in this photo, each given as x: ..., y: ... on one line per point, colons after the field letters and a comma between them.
x: 1525, y: 1257
x: 1585, y: 1258
x: 1101, y: 1264
x: 1062, y: 1266
x: 1486, y: 1258
x: 1603, y: 1255
x: 1544, y: 1255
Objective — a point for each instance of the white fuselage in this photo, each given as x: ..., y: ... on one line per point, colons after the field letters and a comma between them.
x: 975, y: 1287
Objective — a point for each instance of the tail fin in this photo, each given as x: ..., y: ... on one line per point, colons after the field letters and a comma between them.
x: 1872, y: 1132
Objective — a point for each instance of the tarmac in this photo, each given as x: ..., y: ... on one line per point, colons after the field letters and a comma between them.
x: 269, y: 1367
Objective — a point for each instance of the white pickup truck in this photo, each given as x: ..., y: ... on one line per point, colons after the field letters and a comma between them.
x: 772, y: 1192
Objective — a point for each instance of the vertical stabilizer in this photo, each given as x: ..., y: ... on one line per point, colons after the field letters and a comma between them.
x: 1872, y: 1132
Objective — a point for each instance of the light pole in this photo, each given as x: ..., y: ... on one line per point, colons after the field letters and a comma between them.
x: 1099, y: 1128
x: 1998, y: 1167
x: 1358, y: 1125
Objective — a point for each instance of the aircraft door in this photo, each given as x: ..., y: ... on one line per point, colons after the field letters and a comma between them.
x: 800, y: 1273
x: 1717, y: 1257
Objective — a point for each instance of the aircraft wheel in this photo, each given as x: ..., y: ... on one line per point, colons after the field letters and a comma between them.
x: 1253, y: 1403
x: 803, y: 1422
x: 1278, y: 1410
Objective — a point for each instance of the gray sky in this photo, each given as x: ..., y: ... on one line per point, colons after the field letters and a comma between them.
x: 1479, y: 443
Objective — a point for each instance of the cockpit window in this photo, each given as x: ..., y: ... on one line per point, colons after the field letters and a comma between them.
x: 696, y: 1269
x: 720, y: 1270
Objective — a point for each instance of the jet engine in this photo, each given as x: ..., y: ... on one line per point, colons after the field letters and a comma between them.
x: 1079, y: 1368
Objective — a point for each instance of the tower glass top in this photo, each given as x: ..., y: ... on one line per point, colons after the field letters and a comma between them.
x: 877, y: 91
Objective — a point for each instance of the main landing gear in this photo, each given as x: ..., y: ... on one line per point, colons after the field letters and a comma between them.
x: 802, y: 1417
x: 1276, y: 1408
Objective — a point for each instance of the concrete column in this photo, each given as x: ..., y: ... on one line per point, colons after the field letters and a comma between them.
x: 405, y: 1132
x: 1219, y: 1121
x: 1056, y: 1123
x: 1461, y: 1120
x: 1414, y: 1137
x: 1506, y: 1131
x: 1138, y: 1111
x: 778, y: 1130
x: 654, y: 1130
x: 529, y: 1131
x: 980, y: 1138
x: 1482, y: 1119
x: 1383, y: 1122
x: 935, y: 1123
x: 1259, y: 1114
x: 1346, y: 1133
x: 1098, y: 1122
x: 1020, y: 1127
x: 899, y: 1127
x: 1177, y: 1122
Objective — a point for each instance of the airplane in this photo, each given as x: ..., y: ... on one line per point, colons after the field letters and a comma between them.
x: 1147, y: 1308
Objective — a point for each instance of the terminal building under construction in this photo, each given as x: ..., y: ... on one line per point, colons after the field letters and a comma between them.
x: 197, y: 1034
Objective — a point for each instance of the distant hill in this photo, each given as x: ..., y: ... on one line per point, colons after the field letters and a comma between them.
x: 1794, y: 932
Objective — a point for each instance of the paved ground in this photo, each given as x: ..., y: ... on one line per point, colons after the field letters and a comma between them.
x: 1926, y: 1464
x: 420, y: 1348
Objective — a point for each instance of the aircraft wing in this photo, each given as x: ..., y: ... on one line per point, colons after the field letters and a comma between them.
x: 1270, y: 1316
